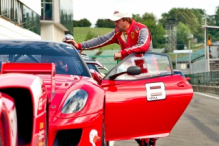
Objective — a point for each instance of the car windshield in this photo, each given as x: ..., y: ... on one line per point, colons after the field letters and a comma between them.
x: 65, y: 57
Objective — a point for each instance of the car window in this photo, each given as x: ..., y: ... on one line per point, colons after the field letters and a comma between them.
x: 92, y: 66
x: 179, y: 72
x: 152, y: 65
x: 65, y: 58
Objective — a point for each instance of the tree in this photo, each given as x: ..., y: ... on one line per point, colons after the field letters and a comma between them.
x: 200, y: 14
x: 85, y: 23
x: 105, y: 23
x: 217, y: 15
x: 182, y: 33
x: 90, y: 35
x: 82, y: 23
x: 137, y: 17
x: 157, y: 33
x: 156, y: 29
x: 149, y: 16
x: 182, y: 15
x: 145, y: 17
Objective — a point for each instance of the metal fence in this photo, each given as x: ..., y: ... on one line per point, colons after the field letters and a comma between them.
x: 205, y: 78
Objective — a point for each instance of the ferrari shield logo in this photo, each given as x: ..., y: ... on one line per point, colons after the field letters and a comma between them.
x: 93, y: 137
x: 132, y: 35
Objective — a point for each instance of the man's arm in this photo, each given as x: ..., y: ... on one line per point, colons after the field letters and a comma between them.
x: 144, y: 43
x: 98, y: 42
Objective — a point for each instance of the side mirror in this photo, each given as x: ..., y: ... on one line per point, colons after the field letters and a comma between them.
x: 132, y: 70
x: 188, y: 78
x: 96, y: 76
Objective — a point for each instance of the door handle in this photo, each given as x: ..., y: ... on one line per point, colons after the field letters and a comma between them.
x: 181, y: 84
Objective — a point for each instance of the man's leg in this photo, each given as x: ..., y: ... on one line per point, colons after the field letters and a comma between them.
x: 146, y: 142
x: 141, y: 142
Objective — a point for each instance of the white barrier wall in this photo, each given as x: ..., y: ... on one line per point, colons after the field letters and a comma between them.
x: 9, y: 30
x: 199, y: 66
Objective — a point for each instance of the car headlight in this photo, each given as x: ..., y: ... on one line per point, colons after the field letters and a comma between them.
x: 75, y: 101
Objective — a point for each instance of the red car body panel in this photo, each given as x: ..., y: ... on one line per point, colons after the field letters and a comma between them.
x: 156, y: 117
x: 113, y: 109
x: 39, y: 101
x: 8, y: 124
x: 87, y: 119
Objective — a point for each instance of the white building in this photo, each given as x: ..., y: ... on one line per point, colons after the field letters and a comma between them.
x: 20, y: 19
x: 56, y: 19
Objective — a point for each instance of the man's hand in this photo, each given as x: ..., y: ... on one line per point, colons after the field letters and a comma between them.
x: 117, y: 56
x: 73, y: 42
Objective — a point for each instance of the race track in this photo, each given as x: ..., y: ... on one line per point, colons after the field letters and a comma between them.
x: 199, y: 125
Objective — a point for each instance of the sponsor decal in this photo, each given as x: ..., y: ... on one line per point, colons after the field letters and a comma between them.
x: 41, y: 134
x: 93, y: 137
x: 136, y: 28
x: 40, y: 107
x: 41, y: 144
x: 117, y: 32
x: 41, y: 125
x: 132, y: 35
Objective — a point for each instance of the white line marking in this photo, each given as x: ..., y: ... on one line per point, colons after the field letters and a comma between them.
x: 207, y: 95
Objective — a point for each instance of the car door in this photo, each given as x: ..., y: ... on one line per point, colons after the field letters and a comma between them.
x: 145, y: 105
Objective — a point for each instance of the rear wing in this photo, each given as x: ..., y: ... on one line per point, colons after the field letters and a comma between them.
x: 32, y: 68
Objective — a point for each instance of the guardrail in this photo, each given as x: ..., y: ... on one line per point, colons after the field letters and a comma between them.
x: 205, y: 78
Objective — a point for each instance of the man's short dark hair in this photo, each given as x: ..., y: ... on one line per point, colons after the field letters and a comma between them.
x: 129, y: 20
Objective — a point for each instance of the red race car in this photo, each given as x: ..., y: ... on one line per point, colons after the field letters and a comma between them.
x: 48, y: 96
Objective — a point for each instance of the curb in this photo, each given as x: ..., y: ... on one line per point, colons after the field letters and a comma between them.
x: 208, y: 89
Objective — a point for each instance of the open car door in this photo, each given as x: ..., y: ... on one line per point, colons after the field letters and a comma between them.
x: 146, y: 104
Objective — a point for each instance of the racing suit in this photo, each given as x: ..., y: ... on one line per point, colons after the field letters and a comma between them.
x: 138, y: 40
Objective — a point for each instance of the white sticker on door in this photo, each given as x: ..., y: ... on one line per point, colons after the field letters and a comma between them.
x: 155, y: 91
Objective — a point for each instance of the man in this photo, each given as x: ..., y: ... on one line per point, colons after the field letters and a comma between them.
x: 129, y: 34
x: 209, y: 45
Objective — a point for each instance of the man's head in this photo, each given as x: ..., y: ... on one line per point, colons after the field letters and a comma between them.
x: 122, y: 20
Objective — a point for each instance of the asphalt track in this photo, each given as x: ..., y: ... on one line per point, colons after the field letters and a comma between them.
x: 198, y: 126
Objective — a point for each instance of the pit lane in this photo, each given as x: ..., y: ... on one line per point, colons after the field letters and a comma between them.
x: 199, y: 125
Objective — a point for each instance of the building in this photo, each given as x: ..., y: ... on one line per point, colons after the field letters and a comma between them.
x: 20, y: 19
x: 56, y: 19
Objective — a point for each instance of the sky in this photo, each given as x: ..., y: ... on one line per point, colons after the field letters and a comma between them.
x: 103, y: 9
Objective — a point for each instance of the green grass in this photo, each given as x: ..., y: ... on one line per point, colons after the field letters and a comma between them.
x: 80, y: 34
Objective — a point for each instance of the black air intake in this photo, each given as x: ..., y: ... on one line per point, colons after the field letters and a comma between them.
x: 68, y: 137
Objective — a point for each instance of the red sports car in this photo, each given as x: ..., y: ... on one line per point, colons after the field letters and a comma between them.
x: 48, y: 96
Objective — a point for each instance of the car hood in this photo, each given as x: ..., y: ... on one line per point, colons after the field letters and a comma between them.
x: 64, y: 85
x: 61, y: 81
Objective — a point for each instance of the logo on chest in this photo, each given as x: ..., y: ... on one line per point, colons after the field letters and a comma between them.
x: 132, y: 35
